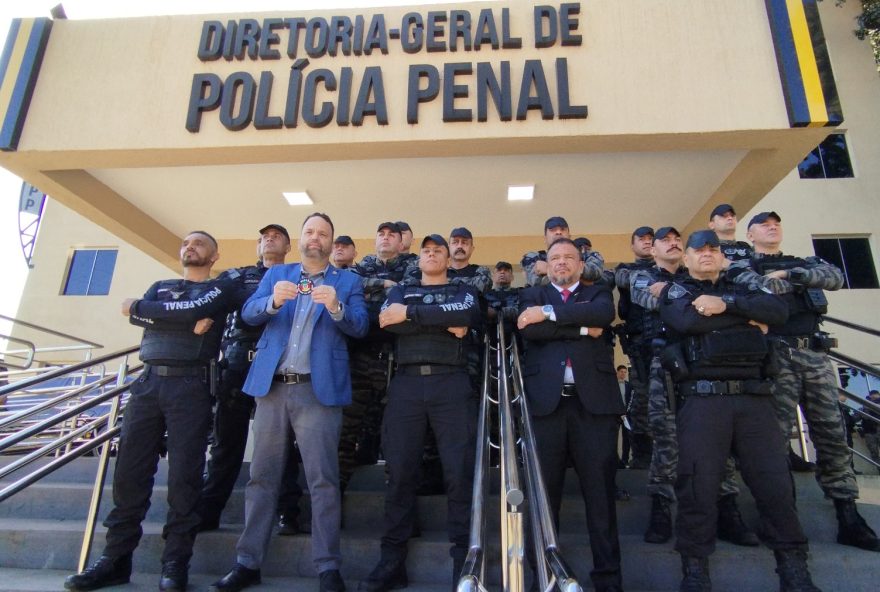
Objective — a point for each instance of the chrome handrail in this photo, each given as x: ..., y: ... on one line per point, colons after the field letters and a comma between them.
x: 543, y: 529
x: 473, y: 573
x: 851, y: 325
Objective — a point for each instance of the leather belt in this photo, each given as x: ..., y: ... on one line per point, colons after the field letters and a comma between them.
x: 569, y: 390
x: 705, y: 388
x: 428, y: 369
x: 292, y: 378
x: 157, y: 370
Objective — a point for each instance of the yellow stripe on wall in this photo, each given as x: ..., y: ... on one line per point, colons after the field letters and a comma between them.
x: 14, y: 67
x: 807, y: 62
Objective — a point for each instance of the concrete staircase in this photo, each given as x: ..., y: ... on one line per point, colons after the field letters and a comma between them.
x: 41, y: 532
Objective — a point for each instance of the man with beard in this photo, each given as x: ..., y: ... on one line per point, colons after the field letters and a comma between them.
x: 183, y: 322
x: 636, y: 321
x: 806, y: 376
x: 300, y: 378
x: 645, y: 290
x: 344, y: 252
x: 723, y: 221
x: 574, y: 398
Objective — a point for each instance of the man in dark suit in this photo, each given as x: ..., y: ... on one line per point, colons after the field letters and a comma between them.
x: 300, y: 379
x: 574, y: 398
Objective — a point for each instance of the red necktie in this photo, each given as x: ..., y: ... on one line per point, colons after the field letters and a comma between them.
x: 565, y: 294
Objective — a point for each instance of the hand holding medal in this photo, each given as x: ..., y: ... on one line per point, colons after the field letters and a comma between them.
x: 282, y: 292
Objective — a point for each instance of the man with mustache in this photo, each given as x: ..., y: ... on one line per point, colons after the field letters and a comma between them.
x: 645, y: 290
x: 573, y: 396
x: 300, y: 379
x: 717, y: 353
x: 806, y: 375
x: 183, y: 321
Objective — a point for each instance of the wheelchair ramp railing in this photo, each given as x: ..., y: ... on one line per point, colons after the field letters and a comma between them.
x: 63, y: 414
x: 869, y: 413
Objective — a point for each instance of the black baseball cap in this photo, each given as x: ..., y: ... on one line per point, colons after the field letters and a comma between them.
x: 582, y: 242
x: 392, y: 226
x: 663, y: 231
x: 555, y: 222
x: 277, y: 227
x: 643, y: 231
x: 701, y: 238
x: 461, y: 232
x: 437, y: 240
x: 761, y: 217
x: 344, y: 239
x: 404, y: 227
x: 722, y: 209
x: 504, y: 265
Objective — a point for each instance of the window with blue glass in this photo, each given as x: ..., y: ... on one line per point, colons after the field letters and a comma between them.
x: 829, y: 160
x: 853, y: 257
x: 90, y: 272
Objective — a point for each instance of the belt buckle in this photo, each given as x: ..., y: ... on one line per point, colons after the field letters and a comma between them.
x: 734, y: 387
x: 425, y: 370
x: 704, y: 387
x: 290, y: 378
x: 251, y: 355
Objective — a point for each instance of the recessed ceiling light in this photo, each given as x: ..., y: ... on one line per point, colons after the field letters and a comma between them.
x: 520, y: 192
x: 298, y: 198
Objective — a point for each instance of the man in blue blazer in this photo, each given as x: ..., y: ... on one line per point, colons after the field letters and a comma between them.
x: 300, y: 379
x: 573, y: 397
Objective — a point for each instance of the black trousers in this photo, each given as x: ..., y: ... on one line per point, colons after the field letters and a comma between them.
x: 182, y: 406
x: 590, y: 442
x: 445, y: 402
x: 709, y: 429
x: 232, y: 417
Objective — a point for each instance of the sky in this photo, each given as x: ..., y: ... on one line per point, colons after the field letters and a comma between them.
x: 12, y: 261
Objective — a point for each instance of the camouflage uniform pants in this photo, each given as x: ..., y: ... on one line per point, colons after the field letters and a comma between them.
x: 362, y: 419
x: 638, y: 407
x: 872, y: 441
x: 807, y: 378
x: 664, y: 460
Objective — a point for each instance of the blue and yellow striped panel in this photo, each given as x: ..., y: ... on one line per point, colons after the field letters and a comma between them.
x: 804, y: 68
x: 19, y: 67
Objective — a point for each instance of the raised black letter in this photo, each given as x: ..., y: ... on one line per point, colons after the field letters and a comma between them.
x: 200, y: 101
x: 415, y: 95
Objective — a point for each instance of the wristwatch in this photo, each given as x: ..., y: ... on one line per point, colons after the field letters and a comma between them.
x: 547, y: 309
x: 729, y: 300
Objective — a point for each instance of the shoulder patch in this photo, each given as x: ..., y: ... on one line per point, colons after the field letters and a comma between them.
x: 677, y: 291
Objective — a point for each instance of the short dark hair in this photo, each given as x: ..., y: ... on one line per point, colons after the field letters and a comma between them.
x: 208, y: 234
x: 323, y: 217
x: 562, y: 240
x: 622, y: 367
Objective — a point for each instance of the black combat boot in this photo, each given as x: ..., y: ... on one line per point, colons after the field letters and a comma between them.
x: 175, y: 575
x: 731, y: 527
x: 695, y: 574
x: 793, y: 573
x: 660, y: 525
x: 389, y: 574
x: 106, y: 571
x: 852, y: 529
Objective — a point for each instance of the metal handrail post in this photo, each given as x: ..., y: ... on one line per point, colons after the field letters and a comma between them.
x: 100, y: 477
x: 474, y: 569
x: 512, y: 496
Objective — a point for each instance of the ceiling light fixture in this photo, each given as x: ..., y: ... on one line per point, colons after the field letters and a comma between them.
x: 298, y: 198
x: 520, y: 192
